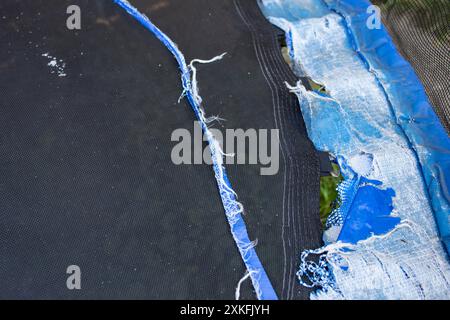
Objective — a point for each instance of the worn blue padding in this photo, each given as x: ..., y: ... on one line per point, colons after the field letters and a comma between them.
x: 410, y: 105
x: 260, y: 280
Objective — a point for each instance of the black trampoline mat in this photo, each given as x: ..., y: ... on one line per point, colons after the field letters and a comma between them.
x: 86, y: 176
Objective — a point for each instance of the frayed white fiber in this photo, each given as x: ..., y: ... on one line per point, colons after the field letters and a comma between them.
x: 237, y: 293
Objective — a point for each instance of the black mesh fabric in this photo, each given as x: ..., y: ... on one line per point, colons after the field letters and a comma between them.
x: 86, y: 176
x: 421, y: 31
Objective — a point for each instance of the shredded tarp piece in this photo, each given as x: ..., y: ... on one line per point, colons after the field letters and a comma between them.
x: 375, y: 107
x: 410, y: 107
x: 233, y: 209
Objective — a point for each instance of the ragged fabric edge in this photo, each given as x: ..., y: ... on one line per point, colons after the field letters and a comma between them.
x: 233, y: 209
x: 320, y: 272
x: 425, y: 133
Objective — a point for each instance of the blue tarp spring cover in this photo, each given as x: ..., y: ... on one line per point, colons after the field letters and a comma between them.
x: 410, y: 105
x: 392, y: 149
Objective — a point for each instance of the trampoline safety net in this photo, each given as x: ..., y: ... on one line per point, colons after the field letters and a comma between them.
x: 421, y: 31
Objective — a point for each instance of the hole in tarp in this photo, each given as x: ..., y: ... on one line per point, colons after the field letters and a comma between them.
x: 329, y: 196
x: 309, y: 83
x: 317, y: 87
x: 281, y: 36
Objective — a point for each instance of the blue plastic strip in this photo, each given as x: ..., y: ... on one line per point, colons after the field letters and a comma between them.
x: 260, y: 280
x: 409, y: 102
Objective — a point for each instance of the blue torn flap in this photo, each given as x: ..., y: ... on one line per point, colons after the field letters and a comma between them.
x: 369, y: 214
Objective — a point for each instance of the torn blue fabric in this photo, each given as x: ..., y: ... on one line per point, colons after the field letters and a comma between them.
x: 376, y: 118
x: 370, y: 214
x: 366, y: 209
x: 409, y: 103
x: 233, y: 209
